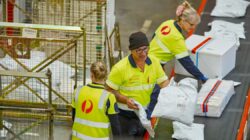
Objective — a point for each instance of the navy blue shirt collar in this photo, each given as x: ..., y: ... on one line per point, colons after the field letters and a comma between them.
x: 132, y: 61
x: 178, y: 27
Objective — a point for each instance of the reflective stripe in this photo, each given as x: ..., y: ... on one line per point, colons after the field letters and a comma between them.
x: 144, y: 87
x: 112, y: 85
x: 125, y: 107
x: 102, y: 99
x: 77, y: 94
x: 160, y: 80
x: 161, y: 45
x: 84, y: 137
x: 91, y: 123
x: 163, y: 62
x: 181, y: 55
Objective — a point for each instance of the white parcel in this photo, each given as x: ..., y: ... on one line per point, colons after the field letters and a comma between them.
x: 177, y: 102
x: 230, y: 8
x: 221, y: 25
x: 184, y: 132
x: 141, y: 113
x: 213, y: 97
x: 214, y: 57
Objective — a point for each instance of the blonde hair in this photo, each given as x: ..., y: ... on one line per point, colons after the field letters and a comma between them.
x: 99, y: 70
x: 187, y: 13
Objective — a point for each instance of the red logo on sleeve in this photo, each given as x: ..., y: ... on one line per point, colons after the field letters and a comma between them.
x: 87, y: 106
x: 165, y: 30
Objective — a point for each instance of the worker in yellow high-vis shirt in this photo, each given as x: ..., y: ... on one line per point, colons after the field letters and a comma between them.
x: 133, y: 79
x: 168, y: 41
x: 95, y: 109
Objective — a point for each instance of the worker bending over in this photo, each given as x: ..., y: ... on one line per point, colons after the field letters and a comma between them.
x: 168, y: 41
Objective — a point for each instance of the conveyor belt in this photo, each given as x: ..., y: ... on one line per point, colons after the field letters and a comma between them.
x: 225, y: 127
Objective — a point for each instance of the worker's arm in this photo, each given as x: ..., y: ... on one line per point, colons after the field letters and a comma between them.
x: 122, y: 99
x: 112, y: 113
x: 153, y: 100
x: 188, y: 64
x: 164, y: 84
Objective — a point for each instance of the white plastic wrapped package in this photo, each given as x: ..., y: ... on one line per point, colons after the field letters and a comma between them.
x: 141, y: 113
x: 59, y: 69
x: 61, y: 73
x: 213, y: 97
x: 237, y: 28
x: 225, y: 35
x: 214, y: 57
x: 177, y: 102
x: 230, y: 8
x: 185, y: 132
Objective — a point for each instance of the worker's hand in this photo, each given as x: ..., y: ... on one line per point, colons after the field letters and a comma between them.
x: 131, y: 104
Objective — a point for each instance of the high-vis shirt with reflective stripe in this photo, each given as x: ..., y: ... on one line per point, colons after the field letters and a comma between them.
x: 168, y: 42
x: 91, y: 121
x: 130, y: 81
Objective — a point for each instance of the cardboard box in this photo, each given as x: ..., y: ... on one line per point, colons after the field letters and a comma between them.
x: 215, y: 57
x: 213, y: 97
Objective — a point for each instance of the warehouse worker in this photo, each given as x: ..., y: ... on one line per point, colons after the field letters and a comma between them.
x: 94, y: 108
x: 133, y: 79
x: 169, y: 42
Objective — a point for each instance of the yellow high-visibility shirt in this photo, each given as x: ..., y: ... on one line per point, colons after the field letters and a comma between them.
x: 168, y: 42
x: 130, y: 81
x: 91, y: 121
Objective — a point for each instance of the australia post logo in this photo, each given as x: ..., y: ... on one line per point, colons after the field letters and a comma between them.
x: 87, y: 106
x: 165, y: 30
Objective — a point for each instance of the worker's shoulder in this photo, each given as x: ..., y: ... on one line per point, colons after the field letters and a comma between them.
x: 167, y: 22
x: 169, y: 31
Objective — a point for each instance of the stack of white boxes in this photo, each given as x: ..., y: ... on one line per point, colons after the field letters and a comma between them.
x: 215, y: 57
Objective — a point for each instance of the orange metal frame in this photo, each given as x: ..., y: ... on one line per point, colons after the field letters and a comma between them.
x: 244, y: 117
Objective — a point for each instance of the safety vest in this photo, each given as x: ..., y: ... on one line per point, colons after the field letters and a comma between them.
x: 91, y: 121
x: 168, y: 42
x: 133, y: 83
